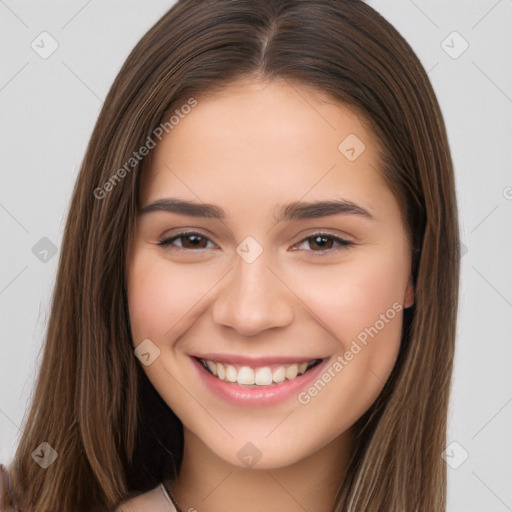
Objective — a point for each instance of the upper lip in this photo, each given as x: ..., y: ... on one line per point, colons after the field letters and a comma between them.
x: 255, y: 361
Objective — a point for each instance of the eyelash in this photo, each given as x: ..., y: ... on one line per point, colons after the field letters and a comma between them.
x: 166, y: 242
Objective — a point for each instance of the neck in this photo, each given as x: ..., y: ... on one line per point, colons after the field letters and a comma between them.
x: 207, y: 483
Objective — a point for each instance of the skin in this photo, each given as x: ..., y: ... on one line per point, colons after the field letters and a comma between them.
x: 249, y: 149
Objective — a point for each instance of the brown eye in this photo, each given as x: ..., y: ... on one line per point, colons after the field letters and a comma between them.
x: 323, y: 242
x: 188, y: 241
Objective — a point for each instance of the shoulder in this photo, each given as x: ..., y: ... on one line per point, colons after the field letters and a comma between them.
x: 155, y: 500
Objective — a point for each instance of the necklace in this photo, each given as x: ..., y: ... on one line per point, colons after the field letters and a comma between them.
x: 178, y: 509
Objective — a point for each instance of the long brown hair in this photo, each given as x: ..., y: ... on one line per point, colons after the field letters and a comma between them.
x: 114, y: 435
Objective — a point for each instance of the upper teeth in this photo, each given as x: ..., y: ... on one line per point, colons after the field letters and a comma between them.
x: 259, y: 376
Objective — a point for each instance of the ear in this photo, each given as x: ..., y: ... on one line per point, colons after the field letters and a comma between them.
x: 409, y: 294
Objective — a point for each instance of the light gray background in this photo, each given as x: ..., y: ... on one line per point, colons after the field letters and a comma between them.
x: 48, y: 109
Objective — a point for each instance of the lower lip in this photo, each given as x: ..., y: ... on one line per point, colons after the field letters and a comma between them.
x: 257, y: 395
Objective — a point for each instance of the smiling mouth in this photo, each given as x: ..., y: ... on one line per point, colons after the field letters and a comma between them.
x: 257, y: 376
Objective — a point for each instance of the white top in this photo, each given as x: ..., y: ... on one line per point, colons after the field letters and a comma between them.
x: 156, y: 500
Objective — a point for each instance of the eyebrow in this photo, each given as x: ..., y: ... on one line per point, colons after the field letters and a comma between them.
x: 292, y: 211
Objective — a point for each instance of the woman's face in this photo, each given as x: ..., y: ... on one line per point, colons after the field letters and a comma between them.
x: 272, y: 326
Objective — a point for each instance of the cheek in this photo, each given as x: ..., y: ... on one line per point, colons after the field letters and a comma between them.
x: 361, y: 305
x: 349, y: 297
x: 161, y: 299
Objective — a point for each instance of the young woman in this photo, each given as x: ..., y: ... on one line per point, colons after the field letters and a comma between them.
x: 256, y: 300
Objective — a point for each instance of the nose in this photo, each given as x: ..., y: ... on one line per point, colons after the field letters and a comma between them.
x: 253, y: 298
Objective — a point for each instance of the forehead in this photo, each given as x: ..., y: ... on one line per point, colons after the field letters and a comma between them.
x: 255, y: 140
